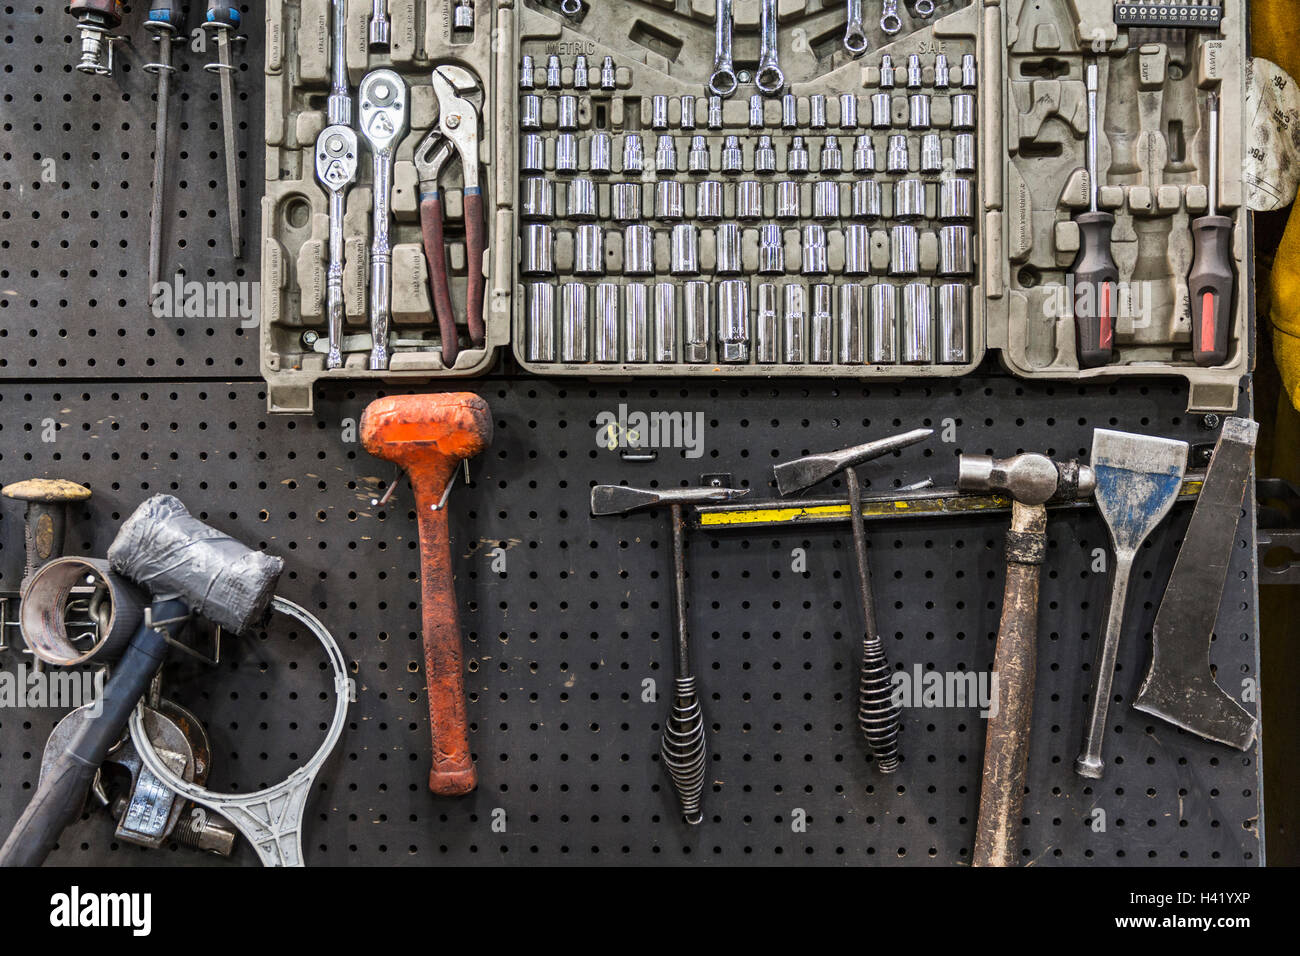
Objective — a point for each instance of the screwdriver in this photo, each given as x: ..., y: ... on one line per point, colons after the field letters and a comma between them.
x: 1094, y: 274
x: 222, y: 19
x: 165, y: 18
x: 1211, y: 279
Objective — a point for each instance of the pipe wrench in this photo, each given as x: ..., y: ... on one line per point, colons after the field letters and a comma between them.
x: 456, y: 135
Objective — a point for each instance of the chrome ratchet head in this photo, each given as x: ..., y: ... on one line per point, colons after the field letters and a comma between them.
x: 382, y: 112
x: 336, y: 157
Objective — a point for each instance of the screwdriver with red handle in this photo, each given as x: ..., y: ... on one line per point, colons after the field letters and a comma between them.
x: 1211, y: 280
x: 1094, y: 274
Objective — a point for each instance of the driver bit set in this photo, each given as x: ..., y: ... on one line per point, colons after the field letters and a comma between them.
x: 816, y: 214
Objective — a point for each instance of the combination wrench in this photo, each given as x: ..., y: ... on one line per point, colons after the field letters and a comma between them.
x: 769, y: 79
x: 890, y: 21
x: 336, y: 168
x: 855, y: 36
x: 383, y: 122
x: 722, y: 82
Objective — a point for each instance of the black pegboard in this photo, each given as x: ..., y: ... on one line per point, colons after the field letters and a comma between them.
x: 76, y: 164
x: 559, y: 645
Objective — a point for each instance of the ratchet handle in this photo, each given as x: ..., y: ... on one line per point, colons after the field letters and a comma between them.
x: 1096, y: 282
x: 1210, y: 284
x: 435, y: 253
x: 476, y: 245
x: 62, y: 792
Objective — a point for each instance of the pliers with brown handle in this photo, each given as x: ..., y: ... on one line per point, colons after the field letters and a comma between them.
x: 457, y: 133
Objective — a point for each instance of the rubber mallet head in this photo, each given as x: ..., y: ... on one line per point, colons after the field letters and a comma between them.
x: 427, y: 435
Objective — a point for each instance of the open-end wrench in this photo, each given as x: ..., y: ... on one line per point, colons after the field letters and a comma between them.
x: 722, y: 81
x: 855, y: 37
x: 890, y: 21
x: 383, y: 122
x: 768, y: 78
x: 336, y: 168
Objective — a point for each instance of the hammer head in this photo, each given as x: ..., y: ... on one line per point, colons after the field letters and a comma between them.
x: 427, y: 435
x: 1028, y: 478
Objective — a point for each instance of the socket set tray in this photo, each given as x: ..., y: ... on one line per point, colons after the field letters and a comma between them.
x: 901, y: 198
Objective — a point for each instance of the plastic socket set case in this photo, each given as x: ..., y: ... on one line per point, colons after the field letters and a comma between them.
x: 780, y: 187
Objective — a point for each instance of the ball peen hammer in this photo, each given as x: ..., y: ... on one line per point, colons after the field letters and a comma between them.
x: 1031, y: 481
x: 429, y: 436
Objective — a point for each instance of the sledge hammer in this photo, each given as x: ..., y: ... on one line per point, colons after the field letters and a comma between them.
x: 429, y: 436
x: 1032, y: 481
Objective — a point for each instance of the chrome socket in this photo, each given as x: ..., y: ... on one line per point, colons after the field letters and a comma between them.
x: 848, y: 111
x: 684, y: 259
x: 903, y: 250
x: 574, y: 310
x: 633, y: 153
x: 963, y: 111
x: 541, y: 321
x: 602, y: 150
x: 708, y: 199
x: 831, y: 159
x: 963, y: 153
x: 867, y: 199
x: 857, y: 249
x: 638, y: 250
x: 532, y: 154
x: 954, y: 324
x: 764, y: 156
x: 796, y: 161
x: 794, y: 320
x: 608, y: 78
x: 955, y: 251
x: 882, y: 318
x: 665, y: 303
x: 537, y: 250
x: 526, y: 75
x: 789, y: 112
x: 814, y: 250
x: 636, y: 322
x: 687, y: 122
x: 537, y: 198
x: 696, y: 324
x: 625, y: 202
x: 733, y: 320
x: 606, y: 346
x: 821, y: 325
x: 918, y: 322
x: 955, y: 200
x: 749, y: 199
x: 582, y: 198
x: 771, y: 250
x: 852, y: 324
x: 670, y: 201
x: 767, y: 332
x: 931, y: 153
x: 566, y: 153
x: 909, y: 199
x: 882, y: 111
x: 789, y: 203
x: 530, y: 112
x: 666, y: 156
x: 897, y: 158
x: 567, y: 112
x: 658, y: 112
x: 733, y: 157
x: 918, y: 111
x: 727, y: 249
x: 864, y: 154
x: 589, y: 250
x: 697, y: 160
x: 817, y: 111
x: 826, y: 199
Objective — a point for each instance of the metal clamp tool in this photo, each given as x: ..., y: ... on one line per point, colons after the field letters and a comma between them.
x: 336, y: 168
x: 457, y: 134
x: 272, y: 819
x: 383, y: 122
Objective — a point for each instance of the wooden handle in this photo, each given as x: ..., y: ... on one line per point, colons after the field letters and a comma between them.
x: 1006, y: 744
x: 453, y: 768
